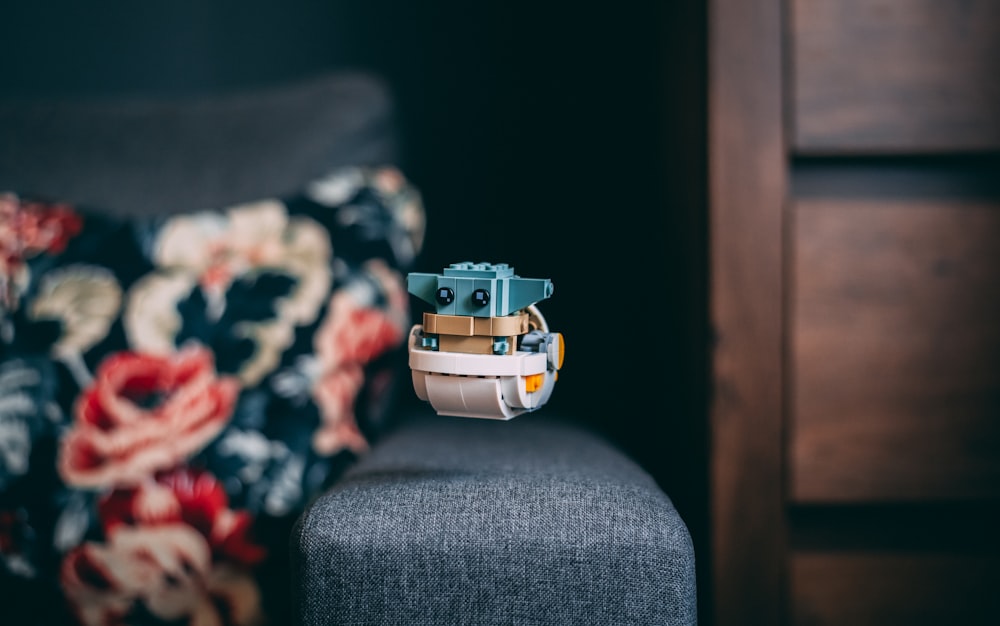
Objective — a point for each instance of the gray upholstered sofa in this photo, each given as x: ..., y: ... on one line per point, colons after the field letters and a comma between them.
x: 462, y: 521
x: 444, y: 520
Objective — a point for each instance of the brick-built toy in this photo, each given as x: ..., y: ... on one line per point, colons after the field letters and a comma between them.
x: 486, y: 351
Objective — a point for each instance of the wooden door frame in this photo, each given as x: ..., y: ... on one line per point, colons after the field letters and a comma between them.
x: 748, y: 180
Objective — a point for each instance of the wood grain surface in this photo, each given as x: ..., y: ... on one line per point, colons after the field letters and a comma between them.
x: 747, y: 185
x: 897, y: 76
x: 895, y: 351
x: 876, y: 589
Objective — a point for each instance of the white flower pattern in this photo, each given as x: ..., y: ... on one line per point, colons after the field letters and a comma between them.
x: 209, y: 250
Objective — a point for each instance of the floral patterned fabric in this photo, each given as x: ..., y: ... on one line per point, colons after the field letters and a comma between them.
x: 174, y: 390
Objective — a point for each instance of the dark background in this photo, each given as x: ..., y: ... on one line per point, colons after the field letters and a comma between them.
x: 564, y: 139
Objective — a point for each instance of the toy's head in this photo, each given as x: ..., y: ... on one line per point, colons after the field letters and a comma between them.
x: 478, y: 289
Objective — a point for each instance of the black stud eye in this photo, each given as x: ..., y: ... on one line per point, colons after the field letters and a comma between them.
x: 481, y: 297
x: 445, y: 296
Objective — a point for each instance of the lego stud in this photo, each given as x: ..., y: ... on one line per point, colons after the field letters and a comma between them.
x: 445, y: 296
x: 481, y: 297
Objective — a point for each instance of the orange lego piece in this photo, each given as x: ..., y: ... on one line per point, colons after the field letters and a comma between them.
x: 533, y: 382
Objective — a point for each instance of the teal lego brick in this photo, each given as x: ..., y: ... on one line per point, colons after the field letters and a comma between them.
x: 422, y: 285
x: 526, y: 291
x: 446, y: 296
x: 483, y: 298
x: 479, y: 270
x: 478, y: 289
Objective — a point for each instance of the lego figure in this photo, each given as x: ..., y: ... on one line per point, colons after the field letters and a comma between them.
x: 486, y: 351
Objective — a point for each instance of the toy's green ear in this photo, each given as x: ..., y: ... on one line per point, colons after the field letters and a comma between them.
x: 523, y: 292
x: 422, y: 285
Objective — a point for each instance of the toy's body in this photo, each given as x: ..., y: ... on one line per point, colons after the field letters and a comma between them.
x: 486, y: 351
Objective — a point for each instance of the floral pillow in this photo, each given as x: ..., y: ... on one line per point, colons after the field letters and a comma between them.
x: 174, y: 390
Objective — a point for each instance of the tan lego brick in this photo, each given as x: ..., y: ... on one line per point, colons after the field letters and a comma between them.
x: 502, y: 326
x: 468, y: 326
x: 472, y: 345
x: 449, y: 324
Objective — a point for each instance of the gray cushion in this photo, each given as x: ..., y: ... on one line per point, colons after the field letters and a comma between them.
x: 463, y: 521
x: 145, y: 155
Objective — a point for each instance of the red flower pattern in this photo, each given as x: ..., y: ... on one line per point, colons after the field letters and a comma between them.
x: 145, y: 413
x: 28, y: 229
x: 173, y: 545
x: 352, y: 335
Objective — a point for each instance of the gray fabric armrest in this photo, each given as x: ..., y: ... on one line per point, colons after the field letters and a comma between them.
x: 464, y: 521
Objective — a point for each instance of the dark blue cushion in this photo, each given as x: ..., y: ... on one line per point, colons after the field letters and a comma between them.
x: 202, y: 315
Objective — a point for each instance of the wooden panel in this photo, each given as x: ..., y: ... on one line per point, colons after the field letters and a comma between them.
x: 895, y: 351
x: 889, y: 589
x: 747, y: 181
x: 895, y: 76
